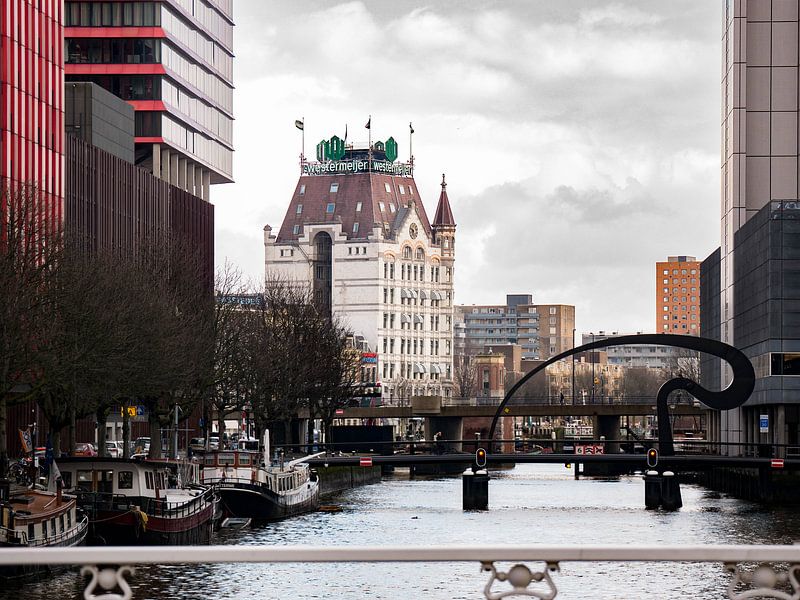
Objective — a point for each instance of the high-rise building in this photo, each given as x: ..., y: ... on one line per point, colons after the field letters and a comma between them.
x: 748, y: 294
x: 633, y: 356
x: 542, y: 330
x: 357, y: 233
x: 678, y: 295
x: 32, y: 99
x: 172, y: 60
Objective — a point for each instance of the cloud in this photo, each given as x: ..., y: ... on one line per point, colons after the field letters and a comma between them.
x: 580, y: 139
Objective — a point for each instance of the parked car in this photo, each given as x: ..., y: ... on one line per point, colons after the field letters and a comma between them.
x: 197, y: 445
x: 213, y: 442
x: 114, y: 449
x: 84, y: 449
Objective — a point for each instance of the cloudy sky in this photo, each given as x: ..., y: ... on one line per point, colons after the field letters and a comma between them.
x: 580, y: 138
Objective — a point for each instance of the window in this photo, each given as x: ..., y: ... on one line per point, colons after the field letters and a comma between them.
x: 391, y: 207
x: 552, y: 310
x: 402, y: 189
x: 299, y: 209
x: 355, y: 227
x: 334, y: 188
x: 358, y: 206
x: 302, y: 190
x: 666, y: 272
x: 386, y: 186
x: 410, y: 190
x: 296, y: 229
x: 330, y: 208
x: 125, y: 480
x: 382, y: 206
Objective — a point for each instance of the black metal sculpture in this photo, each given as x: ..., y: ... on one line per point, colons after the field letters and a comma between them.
x: 733, y: 396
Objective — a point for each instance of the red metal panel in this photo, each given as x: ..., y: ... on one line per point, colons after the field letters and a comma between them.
x: 114, y: 32
x: 114, y: 69
x: 147, y: 105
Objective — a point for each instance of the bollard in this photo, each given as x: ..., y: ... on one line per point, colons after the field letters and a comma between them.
x: 652, y: 490
x: 670, y: 491
x: 475, y: 490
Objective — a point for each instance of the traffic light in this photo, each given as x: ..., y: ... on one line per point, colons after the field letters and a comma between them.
x: 652, y: 458
x: 480, y: 457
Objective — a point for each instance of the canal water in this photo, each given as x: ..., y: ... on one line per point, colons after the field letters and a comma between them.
x: 531, y: 504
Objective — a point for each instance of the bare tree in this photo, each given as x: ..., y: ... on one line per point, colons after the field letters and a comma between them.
x: 29, y: 252
x: 465, y: 376
x: 640, y: 383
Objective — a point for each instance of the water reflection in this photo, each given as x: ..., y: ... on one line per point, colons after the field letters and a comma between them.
x: 532, y: 504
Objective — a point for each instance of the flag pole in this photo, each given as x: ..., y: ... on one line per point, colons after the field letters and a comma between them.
x: 303, y: 142
x: 411, y: 143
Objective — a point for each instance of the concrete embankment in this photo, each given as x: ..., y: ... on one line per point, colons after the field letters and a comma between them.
x: 338, y: 479
x: 759, y: 485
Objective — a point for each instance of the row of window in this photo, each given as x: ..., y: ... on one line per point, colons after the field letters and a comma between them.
x: 683, y: 290
x: 411, y: 370
x: 681, y: 307
x: 209, y: 84
x: 683, y: 317
x: 207, y: 150
x: 676, y: 299
x: 112, y: 14
x: 113, y: 50
x: 51, y: 530
x: 210, y: 19
x: 683, y: 326
x: 682, y: 272
x: 414, y: 346
x: 210, y: 52
x: 682, y: 280
x: 408, y: 321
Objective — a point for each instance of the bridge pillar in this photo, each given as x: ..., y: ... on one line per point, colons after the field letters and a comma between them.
x: 670, y: 491
x: 451, y: 428
x: 475, y: 490
x: 607, y: 426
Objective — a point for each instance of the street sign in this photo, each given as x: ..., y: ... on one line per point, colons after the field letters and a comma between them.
x: 589, y: 449
x: 365, y: 461
x: 763, y: 424
x: 339, y: 411
x: 776, y: 463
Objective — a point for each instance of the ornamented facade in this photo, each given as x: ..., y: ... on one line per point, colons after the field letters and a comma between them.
x: 357, y: 232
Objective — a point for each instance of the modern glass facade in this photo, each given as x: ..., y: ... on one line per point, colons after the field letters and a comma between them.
x: 173, y: 60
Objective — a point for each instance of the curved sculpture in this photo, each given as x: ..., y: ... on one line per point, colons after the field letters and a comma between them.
x: 734, y: 395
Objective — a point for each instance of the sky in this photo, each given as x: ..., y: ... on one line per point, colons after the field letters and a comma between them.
x: 580, y: 138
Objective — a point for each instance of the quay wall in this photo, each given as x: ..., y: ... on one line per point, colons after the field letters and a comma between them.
x: 340, y: 478
x: 758, y: 485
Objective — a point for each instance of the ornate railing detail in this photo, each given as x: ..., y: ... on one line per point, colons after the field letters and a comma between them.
x: 764, y: 582
x: 108, y: 579
x: 520, y: 577
x: 770, y: 579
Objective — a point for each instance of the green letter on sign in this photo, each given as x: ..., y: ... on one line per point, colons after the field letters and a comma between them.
x: 336, y: 148
x: 391, y: 149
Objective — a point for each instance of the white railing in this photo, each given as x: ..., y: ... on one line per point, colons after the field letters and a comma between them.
x: 755, y: 571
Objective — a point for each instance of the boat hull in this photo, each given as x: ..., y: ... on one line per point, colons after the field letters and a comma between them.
x: 257, y: 502
x: 29, y: 571
x: 115, y: 528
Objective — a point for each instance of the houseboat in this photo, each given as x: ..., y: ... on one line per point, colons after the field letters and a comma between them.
x: 253, y: 487
x: 139, y: 502
x: 37, y: 519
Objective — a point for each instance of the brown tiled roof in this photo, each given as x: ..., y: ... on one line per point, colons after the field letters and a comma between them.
x: 367, y: 188
x: 444, y: 215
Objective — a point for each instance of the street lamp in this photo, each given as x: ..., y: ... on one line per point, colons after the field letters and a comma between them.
x: 592, y: 356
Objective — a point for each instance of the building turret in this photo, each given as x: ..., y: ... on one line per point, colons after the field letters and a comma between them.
x: 444, y: 225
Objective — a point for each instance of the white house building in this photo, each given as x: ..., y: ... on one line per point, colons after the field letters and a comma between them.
x: 357, y: 232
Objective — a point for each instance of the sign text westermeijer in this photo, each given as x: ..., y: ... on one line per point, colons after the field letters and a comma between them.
x: 357, y: 166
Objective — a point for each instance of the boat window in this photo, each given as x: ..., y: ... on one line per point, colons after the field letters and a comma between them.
x: 53, y: 525
x: 61, y: 523
x: 148, y: 480
x: 105, y: 484
x: 244, y: 459
x: 125, y: 480
x: 84, y: 480
x: 69, y: 519
x: 44, y: 529
x: 226, y: 458
x: 31, y: 533
x: 209, y: 459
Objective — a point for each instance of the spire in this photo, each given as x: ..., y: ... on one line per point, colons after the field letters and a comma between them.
x: 444, y: 215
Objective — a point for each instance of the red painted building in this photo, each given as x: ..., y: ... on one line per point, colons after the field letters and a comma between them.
x: 172, y: 60
x: 32, y: 98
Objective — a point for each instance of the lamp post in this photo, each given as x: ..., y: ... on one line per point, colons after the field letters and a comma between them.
x: 573, y: 368
x: 592, y: 355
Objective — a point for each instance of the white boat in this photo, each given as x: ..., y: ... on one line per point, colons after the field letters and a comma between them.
x: 253, y: 487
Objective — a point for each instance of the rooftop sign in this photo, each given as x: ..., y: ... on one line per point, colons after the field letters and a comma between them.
x: 336, y: 167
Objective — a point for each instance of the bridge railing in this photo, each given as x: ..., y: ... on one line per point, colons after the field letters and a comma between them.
x: 752, y: 571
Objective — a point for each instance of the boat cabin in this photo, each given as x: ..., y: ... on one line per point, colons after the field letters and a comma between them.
x: 36, y: 518
x: 117, y: 477
x: 247, y: 467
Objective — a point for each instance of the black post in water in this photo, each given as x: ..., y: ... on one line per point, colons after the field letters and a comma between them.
x: 475, y: 484
x: 652, y: 490
x: 670, y: 491
x: 475, y: 490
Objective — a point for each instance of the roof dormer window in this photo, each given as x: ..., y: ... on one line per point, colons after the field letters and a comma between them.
x: 299, y: 209
x: 386, y: 186
x: 334, y: 188
x: 303, y: 189
x: 402, y: 189
x: 358, y: 206
x: 330, y: 208
x: 382, y: 206
x: 355, y: 227
x: 296, y: 229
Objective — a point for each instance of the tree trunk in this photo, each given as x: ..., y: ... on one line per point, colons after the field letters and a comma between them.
x: 287, y: 434
x: 102, y: 418
x: 155, y: 435
x: 3, y: 440
x: 221, y: 428
x: 71, y: 441
x: 55, y: 439
x: 126, y: 433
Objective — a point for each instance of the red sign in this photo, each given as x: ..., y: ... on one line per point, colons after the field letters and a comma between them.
x: 776, y: 463
x: 339, y: 411
x: 365, y: 461
x: 589, y: 449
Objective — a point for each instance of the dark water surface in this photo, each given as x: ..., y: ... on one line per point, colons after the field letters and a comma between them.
x: 532, y: 504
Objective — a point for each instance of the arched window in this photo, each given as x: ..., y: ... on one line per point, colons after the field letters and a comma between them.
x: 407, y: 252
x: 420, y: 254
